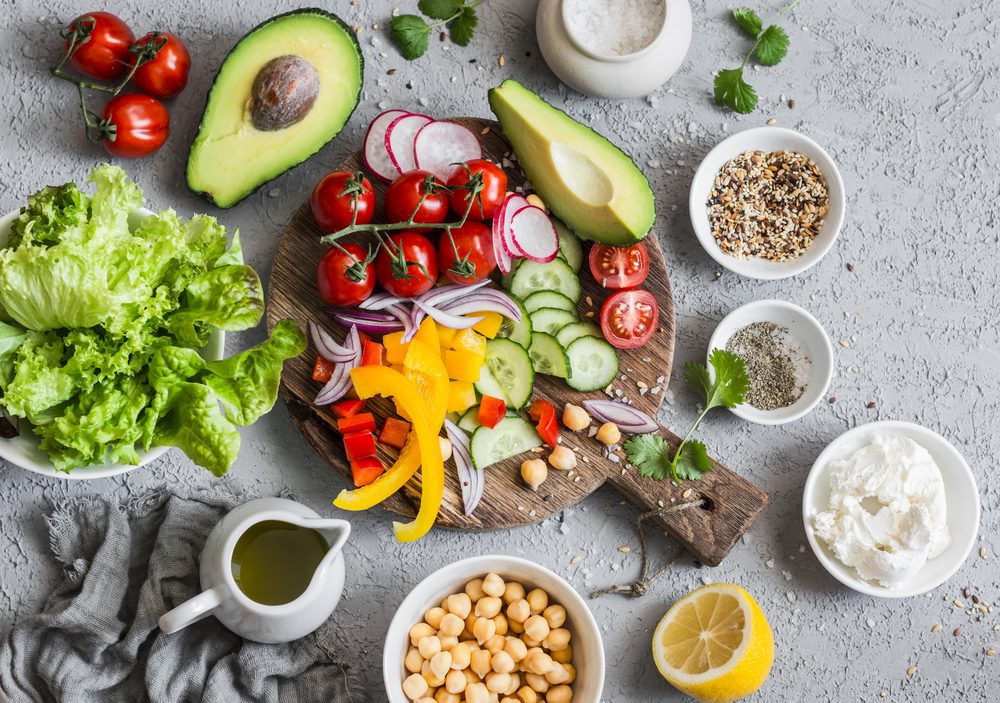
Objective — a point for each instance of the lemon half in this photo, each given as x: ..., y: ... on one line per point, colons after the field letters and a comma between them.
x: 714, y: 644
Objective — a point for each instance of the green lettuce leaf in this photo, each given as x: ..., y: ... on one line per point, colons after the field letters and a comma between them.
x: 39, y: 381
x: 50, y: 214
x: 193, y: 421
x: 230, y: 298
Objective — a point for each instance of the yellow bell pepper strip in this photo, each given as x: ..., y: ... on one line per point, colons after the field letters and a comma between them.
x: 445, y: 337
x: 463, y: 365
x: 470, y: 340
x: 395, y: 347
x: 424, y: 367
x: 461, y: 396
x: 489, y: 325
x: 381, y: 380
x: 428, y: 334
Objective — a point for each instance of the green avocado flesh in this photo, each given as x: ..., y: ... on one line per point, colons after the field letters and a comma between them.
x: 230, y: 156
x: 588, y: 182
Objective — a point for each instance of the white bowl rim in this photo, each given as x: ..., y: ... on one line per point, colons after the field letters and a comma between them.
x: 484, y: 564
x: 841, y: 572
x: 778, y: 416
x: 736, y: 144
x: 215, y: 349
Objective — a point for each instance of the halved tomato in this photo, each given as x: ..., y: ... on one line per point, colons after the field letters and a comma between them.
x: 629, y: 318
x: 617, y: 268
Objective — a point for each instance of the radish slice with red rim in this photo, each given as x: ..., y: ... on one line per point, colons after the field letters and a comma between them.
x: 504, y: 262
x: 440, y: 146
x: 399, y: 138
x: 534, y: 234
x: 512, y: 205
x: 375, y: 155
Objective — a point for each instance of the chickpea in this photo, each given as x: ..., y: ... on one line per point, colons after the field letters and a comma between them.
x: 461, y: 655
x: 537, y: 202
x: 493, y: 585
x: 508, y: 699
x: 515, y: 683
x: 538, y: 600
x: 448, y: 643
x: 445, y: 448
x: 451, y: 626
x: 495, y: 644
x: 516, y: 649
x: 512, y: 591
x: 484, y: 629
x: 609, y: 434
x: 534, y: 473
x: 557, y: 639
x: 477, y: 693
x: 426, y: 699
x: 497, y: 683
x: 536, y: 628
x: 501, y: 622
x: 516, y: 627
x: 502, y: 662
x: 442, y: 696
x: 475, y: 589
x: 525, y: 694
x: 429, y: 646
x: 571, y: 670
x: 559, y: 694
x: 433, y: 617
x: 518, y: 611
x: 555, y: 616
x: 460, y: 604
x: 455, y: 682
x: 432, y: 680
x: 413, y: 661
x: 562, y: 458
x: 575, y: 418
x: 539, y: 663
x: 414, y: 687
x: 537, y: 682
x: 470, y: 620
x: 441, y: 664
x: 563, y: 656
x: 419, y: 631
x: 488, y: 606
x: 470, y: 676
x: 481, y: 662
x: 557, y: 675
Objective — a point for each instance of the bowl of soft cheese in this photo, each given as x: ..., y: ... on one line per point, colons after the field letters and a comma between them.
x: 891, y: 509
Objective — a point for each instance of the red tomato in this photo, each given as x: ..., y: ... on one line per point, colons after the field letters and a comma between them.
x: 474, y: 244
x: 402, y: 200
x: 134, y: 125
x: 336, y: 285
x: 104, y: 54
x: 419, y: 272
x: 619, y: 267
x: 166, y: 75
x: 487, y: 200
x: 336, y: 198
x: 629, y: 318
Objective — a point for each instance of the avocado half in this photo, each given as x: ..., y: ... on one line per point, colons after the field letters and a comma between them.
x: 286, y: 89
x: 588, y: 182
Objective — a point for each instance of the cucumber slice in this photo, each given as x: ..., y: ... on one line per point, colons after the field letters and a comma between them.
x: 593, y: 364
x: 548, y: 356
x: 511, y: 436
x: 574, y: 331
x: 549, y: 299
x: 551, y: 320
x: 531, y: 277
x: 505, y: 277
x: 508, y: 373
x: 570, y: 248
x: 519, y: 332
x: 470, y: 419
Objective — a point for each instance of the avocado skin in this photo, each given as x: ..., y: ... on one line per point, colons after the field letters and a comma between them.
x: 201, y: 125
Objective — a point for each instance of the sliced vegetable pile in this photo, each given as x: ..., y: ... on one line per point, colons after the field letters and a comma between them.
x: 105, y: 311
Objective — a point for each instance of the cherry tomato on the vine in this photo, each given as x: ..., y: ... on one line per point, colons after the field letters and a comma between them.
x: 134, y: 125
x: 629, y: 318
x: 486, y: 201
x: 343, y: 277
x: 407, y: 264
x: 403, y: 200
x: 336, y: 198
x: 619, y: 267
x: 166, y: 75
x: 474, y: 245
x: 103, y: 53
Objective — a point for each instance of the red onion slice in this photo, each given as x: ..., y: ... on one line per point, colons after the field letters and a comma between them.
x: 340, y: 381
x: 380, y: 301
x: 490, y: 300
x: 629, y: 420
x: 327, y: 347
x: 367, y: 322
x: 448, y: 319
x: 445, y: 294
x: 472, y: 480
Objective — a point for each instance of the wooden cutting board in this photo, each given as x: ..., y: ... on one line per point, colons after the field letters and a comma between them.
x: 709, y: 532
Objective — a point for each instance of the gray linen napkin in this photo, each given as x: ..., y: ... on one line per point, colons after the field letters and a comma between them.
x: 97, y: 637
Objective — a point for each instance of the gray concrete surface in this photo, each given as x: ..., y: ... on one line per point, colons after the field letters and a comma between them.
x: 904, y: 96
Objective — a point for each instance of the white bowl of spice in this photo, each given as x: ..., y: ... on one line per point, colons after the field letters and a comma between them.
x: 767, y: 203
x: 788, y: 355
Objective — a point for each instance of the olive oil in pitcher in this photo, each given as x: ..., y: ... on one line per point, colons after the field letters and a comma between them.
x: 274, y: 561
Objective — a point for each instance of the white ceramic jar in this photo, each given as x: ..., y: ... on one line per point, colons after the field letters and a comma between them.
x: 617, y: 59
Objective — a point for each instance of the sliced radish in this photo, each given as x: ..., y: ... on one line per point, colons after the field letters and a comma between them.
x: 504, y: 262
x: 534, y: 234
x: 440, y: 145
x: 375, y: 155
x: 399, y: 138
x: 512, y: 205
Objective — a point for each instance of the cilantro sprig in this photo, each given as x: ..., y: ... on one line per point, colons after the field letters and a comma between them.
x: 770, y: 46
x: 411, y: 33
x: 651, y: 454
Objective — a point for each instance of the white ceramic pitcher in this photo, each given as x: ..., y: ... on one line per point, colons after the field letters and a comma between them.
x: 223, y: 598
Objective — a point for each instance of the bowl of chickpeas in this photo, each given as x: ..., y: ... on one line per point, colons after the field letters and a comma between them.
x: 493, y: 629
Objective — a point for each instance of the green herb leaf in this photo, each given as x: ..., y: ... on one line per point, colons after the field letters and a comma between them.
x: 733, y: 92
x: 650, y: 455
x: 691, y: 461
x: 748, y: 21
x: 464, y: 26
x: 773, y: 45
x: 730, y: 386
x: 410, y: 33
x: 440, y: 9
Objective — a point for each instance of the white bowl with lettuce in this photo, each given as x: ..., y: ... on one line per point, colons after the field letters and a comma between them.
x: 112, y: 323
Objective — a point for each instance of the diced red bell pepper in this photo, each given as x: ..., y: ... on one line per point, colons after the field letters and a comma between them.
x: 358, y: 445
x: 347, y: 408
x: 372, y: 354
x: 322, y: 369
x: 394, y: 432
x: 542, y: 412
x: 366, y: 470
x: 491, y: 411
x: 362, y: 422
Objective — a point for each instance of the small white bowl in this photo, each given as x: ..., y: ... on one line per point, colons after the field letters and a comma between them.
x: 766, y: 139
x: 803, y: 327
x: 588, y: 649
x: 961, y: 495
x: 24, y: 450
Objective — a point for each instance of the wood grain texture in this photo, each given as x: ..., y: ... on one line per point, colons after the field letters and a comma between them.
x: 708, y: 533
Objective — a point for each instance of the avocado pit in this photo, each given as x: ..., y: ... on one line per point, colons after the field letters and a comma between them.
x: 283, y: 93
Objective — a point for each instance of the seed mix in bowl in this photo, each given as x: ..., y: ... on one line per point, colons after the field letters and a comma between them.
x: 769, y: 205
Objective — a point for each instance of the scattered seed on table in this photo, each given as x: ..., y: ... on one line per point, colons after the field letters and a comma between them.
x: 957, y: 631
x: 911, y: 671
x: 958, y: 604
x: 791, y: 104
x: 850, y: 268
x: 832, y: 399
x: 936, y: 628
x: 484, y: 131
x: 576, y: 560
x: 687, y: 493
x: 501, y: 61
x: 870, y: 406
x: 982, y: 552
x: 624, y: 549
x: 991, y: 652
x: 845, y: 343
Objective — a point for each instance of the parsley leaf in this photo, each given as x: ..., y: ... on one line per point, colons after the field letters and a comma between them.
x: 772, y: 45
x: 733, y: 92
x: 410, y: 33
x: 731, y: 382
x: 462, y: 28
x: 650, y: 455
x: 748, y: 21
x: 440, y: 9
x: 691, y: 461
